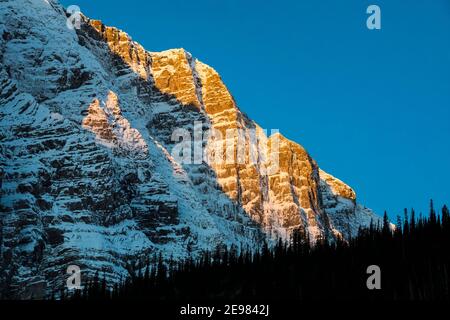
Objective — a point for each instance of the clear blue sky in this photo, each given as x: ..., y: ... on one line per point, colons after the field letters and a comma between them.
x: 372, y: 107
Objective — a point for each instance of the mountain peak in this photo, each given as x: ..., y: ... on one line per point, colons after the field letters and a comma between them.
x: 338, y: 187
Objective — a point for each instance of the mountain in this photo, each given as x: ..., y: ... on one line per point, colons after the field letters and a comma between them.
x: 91, y: 129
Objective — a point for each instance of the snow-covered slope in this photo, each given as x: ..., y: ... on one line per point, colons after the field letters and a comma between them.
x: 88, y: 174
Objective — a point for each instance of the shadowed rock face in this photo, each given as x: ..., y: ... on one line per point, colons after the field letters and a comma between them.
x: 88, y: 175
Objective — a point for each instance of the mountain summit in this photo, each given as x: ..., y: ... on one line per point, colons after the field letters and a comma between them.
x: 90, y: 127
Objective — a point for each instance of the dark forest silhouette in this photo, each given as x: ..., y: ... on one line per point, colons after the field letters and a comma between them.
x: 414, y: 259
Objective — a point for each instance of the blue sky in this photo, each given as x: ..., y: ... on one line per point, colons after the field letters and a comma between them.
x: 372, y: 107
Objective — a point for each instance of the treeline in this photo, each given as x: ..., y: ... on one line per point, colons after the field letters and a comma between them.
x: 414, y: 259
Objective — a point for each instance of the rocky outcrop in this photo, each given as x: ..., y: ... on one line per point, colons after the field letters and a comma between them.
x: 89, y: 169
x: 337, y: 187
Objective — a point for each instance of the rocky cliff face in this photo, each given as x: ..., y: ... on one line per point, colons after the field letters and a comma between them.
x: 89, y: 169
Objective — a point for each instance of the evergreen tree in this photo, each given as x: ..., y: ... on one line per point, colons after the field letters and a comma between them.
x: 386, y: 226
x: 415, y: 264
x: 432, y: 213
x: 413, y: 220
x: 405, y: 221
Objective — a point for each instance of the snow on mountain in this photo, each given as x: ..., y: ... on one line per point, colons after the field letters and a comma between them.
x: 88, y: 173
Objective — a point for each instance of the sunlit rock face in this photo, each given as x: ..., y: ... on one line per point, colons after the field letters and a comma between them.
x: 337, y: 187
x: 279, y: 187
x: 173, y: 73
x: 132, y: 53
x: 90, y: 175
x: 105, y: 119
